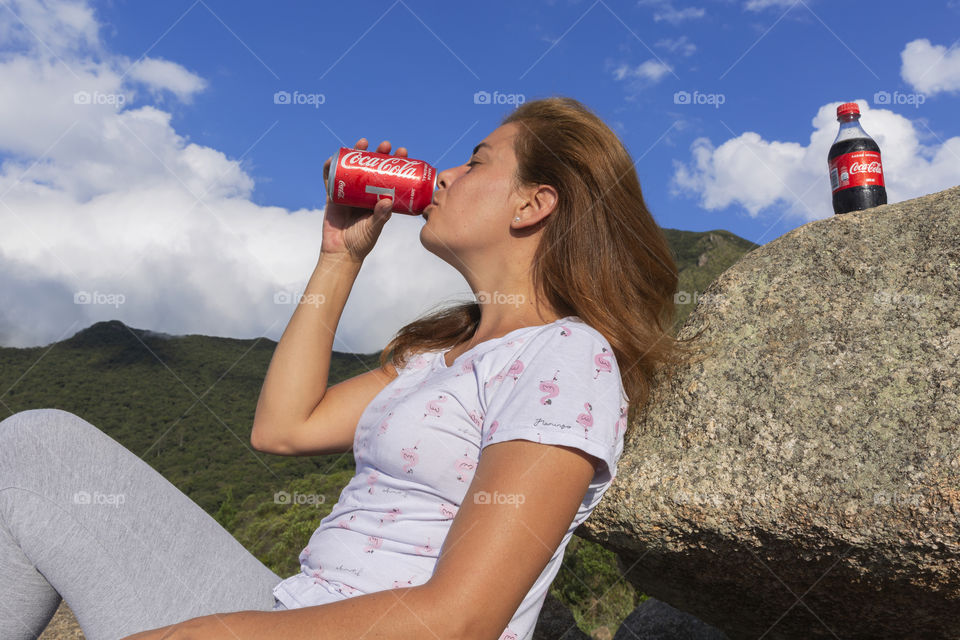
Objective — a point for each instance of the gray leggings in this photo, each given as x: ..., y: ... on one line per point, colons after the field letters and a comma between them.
x: 84, y: 519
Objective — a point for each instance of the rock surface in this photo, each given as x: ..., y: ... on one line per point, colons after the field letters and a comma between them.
x: 800, y: 477
x: 62, y: 626
x: 655, y: 620
x: 557, y: 623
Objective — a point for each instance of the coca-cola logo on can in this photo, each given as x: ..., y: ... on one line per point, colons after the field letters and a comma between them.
x: 393, y: 166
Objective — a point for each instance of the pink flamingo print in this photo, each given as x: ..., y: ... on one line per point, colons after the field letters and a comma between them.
x: 398, y: 585
x: 419, y: 363
x: 585, y: 420
x: 433, y: 408
x: 509, y: 634
x: 514, y: 370
x: 464, y: 465
x: 425, y: 550
x: 550, y: 388
x: 358, y: 451
x: 345, y: 524
x: 411, y: 456
x: 448, y: 511
x: 373, y: 543
x: 476, y: 418
x: 390, y: 517
x: 305, y: 552
x: 564, y: 331
x: 493, y: 428
x: 372, y: 480
x: 515, y: 341
x: 621, y: 423
x: 384, y: 425
x: 602, y: 360
x: 497, y: 378
x: 349, y: 590
x: 317, y: 575
x: 466, y: 367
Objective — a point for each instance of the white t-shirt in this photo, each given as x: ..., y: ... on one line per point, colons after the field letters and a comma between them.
x: 418, y: 443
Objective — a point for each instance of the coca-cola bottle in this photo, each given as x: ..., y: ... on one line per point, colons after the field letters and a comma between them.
x: 856, y: 173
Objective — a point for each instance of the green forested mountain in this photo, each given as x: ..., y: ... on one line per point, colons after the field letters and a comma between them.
x: 701, y: 256
x: 185, y: 405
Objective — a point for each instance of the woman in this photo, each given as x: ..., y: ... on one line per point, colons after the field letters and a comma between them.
x: 489, y: 433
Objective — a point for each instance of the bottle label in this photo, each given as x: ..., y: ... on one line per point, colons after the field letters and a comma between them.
x: 856, y: 169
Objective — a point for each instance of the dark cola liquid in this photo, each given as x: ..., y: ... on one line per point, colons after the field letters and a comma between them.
x: 856, y: 198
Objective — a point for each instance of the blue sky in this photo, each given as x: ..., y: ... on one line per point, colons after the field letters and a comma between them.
x: 727, y: 106
x: 408, y: 71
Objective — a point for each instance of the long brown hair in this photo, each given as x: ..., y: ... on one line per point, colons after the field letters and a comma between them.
x: 601, y: 257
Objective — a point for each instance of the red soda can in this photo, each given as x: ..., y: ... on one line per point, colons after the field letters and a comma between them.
x: 361, y: 178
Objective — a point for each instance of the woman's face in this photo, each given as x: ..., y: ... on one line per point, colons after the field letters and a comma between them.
x: 475, y: 202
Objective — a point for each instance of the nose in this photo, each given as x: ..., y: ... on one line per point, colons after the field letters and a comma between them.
x: 446, y: 177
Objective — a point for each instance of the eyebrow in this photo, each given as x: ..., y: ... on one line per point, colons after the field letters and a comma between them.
x: 477, y: 148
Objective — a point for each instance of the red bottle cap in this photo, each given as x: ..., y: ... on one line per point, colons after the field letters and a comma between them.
x: 848, y: 107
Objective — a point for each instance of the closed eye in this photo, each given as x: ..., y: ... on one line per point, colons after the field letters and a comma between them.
x: 472, y: 162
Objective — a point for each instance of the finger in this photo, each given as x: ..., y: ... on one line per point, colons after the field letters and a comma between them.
x: 384, y: 147
x: 383, y: 207
x: 402, y: 151
x: 361, y: 144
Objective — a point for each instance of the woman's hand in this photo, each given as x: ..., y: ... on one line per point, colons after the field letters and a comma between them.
x: 352, y: 232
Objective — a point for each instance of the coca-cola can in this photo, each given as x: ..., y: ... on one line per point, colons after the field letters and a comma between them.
x: 361, y: 178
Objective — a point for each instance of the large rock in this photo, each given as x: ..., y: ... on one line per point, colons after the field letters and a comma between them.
x: 655, y: 620
x: 800, y: 478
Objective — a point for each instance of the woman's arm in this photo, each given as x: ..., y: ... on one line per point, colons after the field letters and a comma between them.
x: 412, y: 613
x: 297, y: 376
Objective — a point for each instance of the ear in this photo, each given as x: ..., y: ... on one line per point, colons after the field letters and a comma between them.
x: 539, y: 203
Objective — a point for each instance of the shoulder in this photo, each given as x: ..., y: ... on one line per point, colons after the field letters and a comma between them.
x: 569, y: 345
x: 570, y: 338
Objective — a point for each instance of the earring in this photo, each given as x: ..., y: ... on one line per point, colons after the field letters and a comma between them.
x: 517, y: 219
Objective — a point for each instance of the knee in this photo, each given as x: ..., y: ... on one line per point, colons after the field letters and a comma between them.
x: 33, y: 423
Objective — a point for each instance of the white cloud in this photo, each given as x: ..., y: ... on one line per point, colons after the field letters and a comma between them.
x: 679, y: 45
x: 755, y: 174
x: 56, y: 26
x: 760, y: 5
x: 650, y: 70
x: 930, y: 68
x: 665, y: 11
x: 163, y: 74
x: 676, y: 16
x: 102, y: 195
